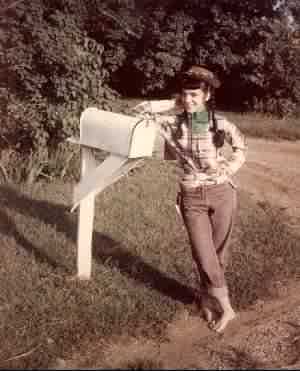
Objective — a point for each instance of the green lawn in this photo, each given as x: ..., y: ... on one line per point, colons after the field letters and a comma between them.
x: 142, y: 269
x: 267, y: 127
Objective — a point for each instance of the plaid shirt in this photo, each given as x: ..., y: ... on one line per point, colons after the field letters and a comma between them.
x: 201, y: 161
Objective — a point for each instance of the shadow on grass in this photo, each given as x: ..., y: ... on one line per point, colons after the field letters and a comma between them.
x: 265, y: 251
x: 134, y: 267
x: 58, y: 216
x: 8, y: 227
x: 51, y: 214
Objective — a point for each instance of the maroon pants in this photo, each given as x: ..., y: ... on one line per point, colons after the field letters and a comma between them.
x: 208, y: 213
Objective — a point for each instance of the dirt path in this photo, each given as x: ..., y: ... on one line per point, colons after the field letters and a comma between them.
x: 268, y: 334
x: 272, y: 174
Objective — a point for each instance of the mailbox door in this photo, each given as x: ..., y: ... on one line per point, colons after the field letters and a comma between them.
x: 108, y: 131
x: 142, y: 140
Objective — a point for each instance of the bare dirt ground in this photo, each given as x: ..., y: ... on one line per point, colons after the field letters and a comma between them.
x: 272, y: 174
x: 268, y: 333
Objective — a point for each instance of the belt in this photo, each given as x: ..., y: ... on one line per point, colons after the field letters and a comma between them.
x: 184, y: 188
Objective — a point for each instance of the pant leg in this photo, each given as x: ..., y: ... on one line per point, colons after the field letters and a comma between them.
x: 223, y: 203
x: 195, y: 212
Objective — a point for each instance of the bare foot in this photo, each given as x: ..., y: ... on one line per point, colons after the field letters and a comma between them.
x: 208, y: 315
x: 207, y: 308
x: 226, y: 317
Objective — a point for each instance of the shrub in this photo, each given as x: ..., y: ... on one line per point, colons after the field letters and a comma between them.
x: 54, y: 71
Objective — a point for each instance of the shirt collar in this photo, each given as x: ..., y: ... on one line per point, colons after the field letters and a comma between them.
x: 201, y: 116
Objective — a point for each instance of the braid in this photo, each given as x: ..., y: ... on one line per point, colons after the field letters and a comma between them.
x: 219, y: 136
x: 211, y: 106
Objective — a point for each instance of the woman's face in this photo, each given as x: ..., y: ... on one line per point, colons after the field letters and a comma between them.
x: 193, y: 99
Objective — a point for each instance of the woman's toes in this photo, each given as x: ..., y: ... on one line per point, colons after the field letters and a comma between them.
x: 221, y: 324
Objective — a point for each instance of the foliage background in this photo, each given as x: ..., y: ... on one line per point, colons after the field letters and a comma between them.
x: 58, y: 57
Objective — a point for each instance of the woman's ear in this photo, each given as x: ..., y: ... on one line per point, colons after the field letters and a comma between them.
x: 178, y: 100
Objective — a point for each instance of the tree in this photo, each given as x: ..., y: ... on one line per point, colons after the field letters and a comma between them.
x: 165, y: 43
x: 53, y: 70
x: 58, y: 57
x: 247, y: 43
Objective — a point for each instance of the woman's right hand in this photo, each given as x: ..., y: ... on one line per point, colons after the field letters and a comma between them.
x: 155, y: 106
x: 142, y: 108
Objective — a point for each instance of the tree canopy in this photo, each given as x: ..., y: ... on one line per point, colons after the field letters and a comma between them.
x: 59, y: 56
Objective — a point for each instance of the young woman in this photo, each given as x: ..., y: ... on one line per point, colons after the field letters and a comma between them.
x: 207, y: 197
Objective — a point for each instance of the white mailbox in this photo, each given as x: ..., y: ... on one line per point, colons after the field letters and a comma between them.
x: 122, y: 135
x: 128, y: 140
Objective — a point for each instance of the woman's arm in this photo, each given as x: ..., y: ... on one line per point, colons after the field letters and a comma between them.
x: 166, y: 124
x: 154, y: 106
x: 236, y: 139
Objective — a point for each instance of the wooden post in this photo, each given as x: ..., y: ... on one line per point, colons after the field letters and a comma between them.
x: 128, y: 140
x: 86, y: 220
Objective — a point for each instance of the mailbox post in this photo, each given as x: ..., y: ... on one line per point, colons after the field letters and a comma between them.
x: 128, y: 140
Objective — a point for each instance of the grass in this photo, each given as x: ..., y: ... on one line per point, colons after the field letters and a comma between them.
x: 142, y: 269
x: 267, y: 127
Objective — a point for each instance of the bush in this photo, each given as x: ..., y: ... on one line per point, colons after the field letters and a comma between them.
x: 54, y: 71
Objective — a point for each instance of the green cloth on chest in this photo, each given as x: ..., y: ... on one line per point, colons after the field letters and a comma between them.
x: 200, y: 122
